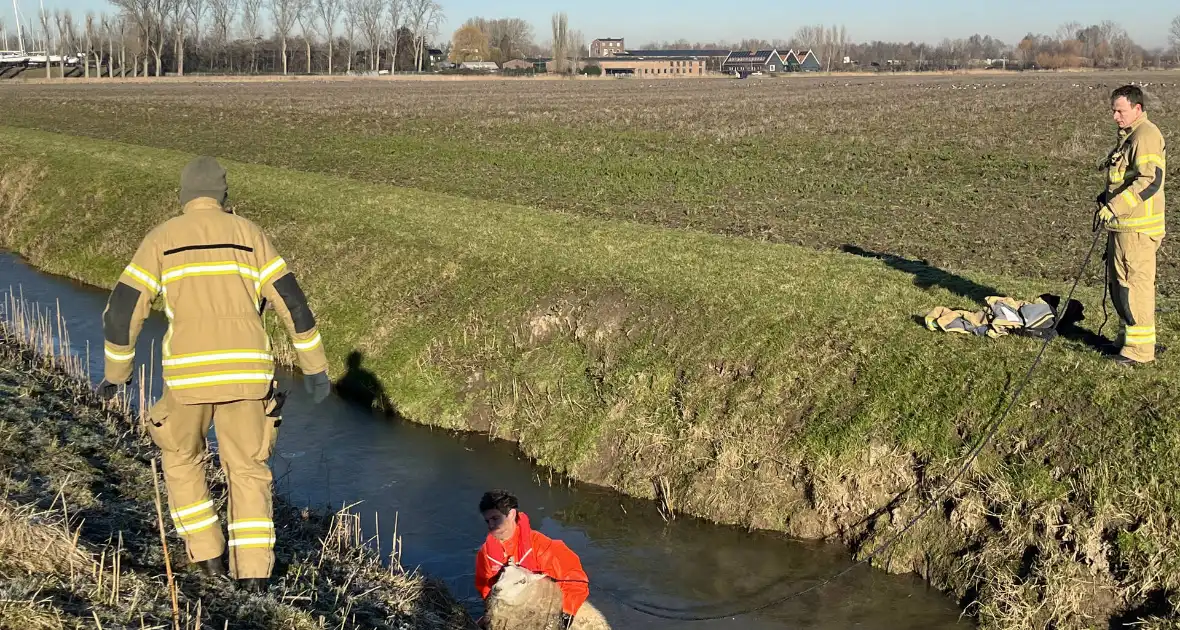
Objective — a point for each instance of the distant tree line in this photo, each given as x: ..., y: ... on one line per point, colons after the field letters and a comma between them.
x: 154, y: 37
x: 1104, y: 45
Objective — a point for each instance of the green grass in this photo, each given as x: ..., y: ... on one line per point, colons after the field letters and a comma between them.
x: 742, y: 374
x: 992, y: 173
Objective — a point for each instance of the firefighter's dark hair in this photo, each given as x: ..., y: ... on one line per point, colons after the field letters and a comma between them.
x: 1133, y: 94
x: 501, y: 500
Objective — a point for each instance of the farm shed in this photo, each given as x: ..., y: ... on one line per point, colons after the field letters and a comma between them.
x: 746, y: 62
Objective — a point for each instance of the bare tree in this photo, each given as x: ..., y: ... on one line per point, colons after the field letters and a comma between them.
x: 48, y: 41
x: 177, y: 11
x: 560, y: 41
x: 577, y: 48
x: 137, y: 13
x: 305, y: 16
x: 329, y: 13
x: 89, y: 47
x: 223, y: 16
x: 1069, y: 30
x: 197, y: 9
x: 284, y: 12
x: 65, y: 26
x: 397, y: 9
x: 809, y: 38
x: 352, y: 18
x: 430, y: 28
x: 418, y: 11
x: 252, y: 25
x: 511, y: 36
x: 158, y: 10
x: 1174, y: 37
x: 371, y: 13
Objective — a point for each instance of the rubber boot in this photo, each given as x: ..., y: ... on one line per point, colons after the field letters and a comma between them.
x: 213, y: 567
x: 254, y: 585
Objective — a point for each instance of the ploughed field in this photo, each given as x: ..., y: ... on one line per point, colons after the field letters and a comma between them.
x: 973, y: 172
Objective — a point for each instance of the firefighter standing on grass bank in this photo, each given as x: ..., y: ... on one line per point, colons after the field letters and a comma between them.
x: 216, y: 272
x: 1132, y: 210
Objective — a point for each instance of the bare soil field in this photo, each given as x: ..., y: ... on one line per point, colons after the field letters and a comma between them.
x: 989, y: 172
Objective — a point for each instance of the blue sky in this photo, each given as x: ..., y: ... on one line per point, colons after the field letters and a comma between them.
x: 640, y: 21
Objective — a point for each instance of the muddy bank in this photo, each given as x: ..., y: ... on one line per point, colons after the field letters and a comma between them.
x: 721, y: 378
x: 80, y: 545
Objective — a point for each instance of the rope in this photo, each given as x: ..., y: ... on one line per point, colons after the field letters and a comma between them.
x: 659, y: 612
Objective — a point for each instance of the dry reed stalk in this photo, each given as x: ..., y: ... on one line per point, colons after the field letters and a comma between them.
x: 164, y: 545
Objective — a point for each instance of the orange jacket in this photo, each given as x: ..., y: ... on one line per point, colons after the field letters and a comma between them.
x: 549, y: 557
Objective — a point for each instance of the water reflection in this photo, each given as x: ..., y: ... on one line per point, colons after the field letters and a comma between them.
x: 426, y: 483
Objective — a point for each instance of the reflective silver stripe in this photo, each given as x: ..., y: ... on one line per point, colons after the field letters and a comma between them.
x: 142, y: 276
x: 210, y: 269
x: 115, y: 356
x: 219, y: 356
x: 232, y: 377
x: 260, y: 524
x: 195, y: 527
x: 272, y: 268
x: 270, y: 540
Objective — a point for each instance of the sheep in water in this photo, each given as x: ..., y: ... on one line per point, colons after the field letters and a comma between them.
x: 523, y: 600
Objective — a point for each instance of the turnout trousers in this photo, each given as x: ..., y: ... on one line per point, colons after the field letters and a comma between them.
x: 1130, y: 259
x: 245, y: 438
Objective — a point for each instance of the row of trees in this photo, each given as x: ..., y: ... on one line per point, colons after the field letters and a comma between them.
x: 146, y: 36
x: 505, y: 39
x: 1104, y: 45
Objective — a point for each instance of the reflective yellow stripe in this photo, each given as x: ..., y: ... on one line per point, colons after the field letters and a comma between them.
x: 1140, y: 221
x: 309, y: 344
x: 192, y: 509
x: 212, y: 358
x: 272, y: 268
x: 145, y: 278
x: 1139, y: 335
x: 1130, y: 198
x: 209, y: 269
x: 232, y: 377
x: 1158, y: 160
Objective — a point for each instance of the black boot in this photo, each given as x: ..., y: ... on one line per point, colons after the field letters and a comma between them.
x: 213, y: 567
x: 254, y: 585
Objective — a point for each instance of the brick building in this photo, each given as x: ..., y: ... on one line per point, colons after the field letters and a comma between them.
x: 606, y: 47
x: 652, y: 67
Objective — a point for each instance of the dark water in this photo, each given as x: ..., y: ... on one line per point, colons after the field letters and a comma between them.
x: 430, y: 481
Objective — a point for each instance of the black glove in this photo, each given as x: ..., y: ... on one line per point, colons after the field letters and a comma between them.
x: 566, y: 620
x: 106, y: 390
x: 318, y: 386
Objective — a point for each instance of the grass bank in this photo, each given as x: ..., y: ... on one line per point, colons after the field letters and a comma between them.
x: 80, y: 545
x: 767, y: 385
x: 992, y: 173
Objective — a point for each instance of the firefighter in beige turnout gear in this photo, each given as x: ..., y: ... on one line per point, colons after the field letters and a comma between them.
x: 1132, y: 209
x: 216, y: 272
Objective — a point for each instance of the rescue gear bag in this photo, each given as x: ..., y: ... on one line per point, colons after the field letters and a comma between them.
x: 1003, y: 316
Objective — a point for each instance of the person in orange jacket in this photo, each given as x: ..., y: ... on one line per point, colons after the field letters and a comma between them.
x: 511, y: 538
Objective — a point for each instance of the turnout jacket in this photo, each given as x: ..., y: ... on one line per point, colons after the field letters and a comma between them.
x: 215, y: 271
x: 1135, y: 173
